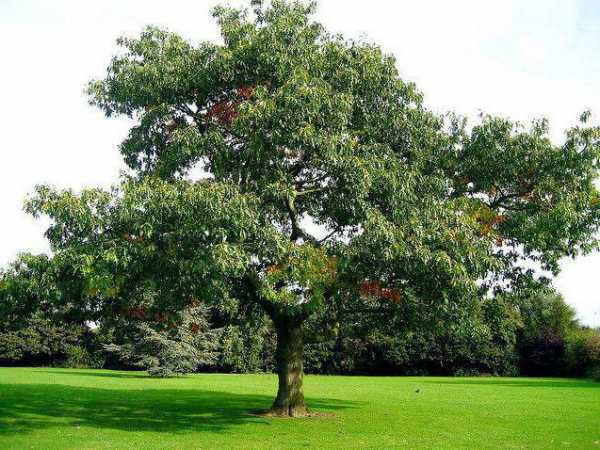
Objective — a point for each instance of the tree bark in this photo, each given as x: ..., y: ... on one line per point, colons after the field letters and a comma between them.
x: 290, y: 368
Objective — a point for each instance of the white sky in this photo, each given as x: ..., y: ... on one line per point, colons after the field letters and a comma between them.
x: 518, y: 58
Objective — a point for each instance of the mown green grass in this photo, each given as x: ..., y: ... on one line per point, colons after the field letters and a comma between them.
x: 98, y: 409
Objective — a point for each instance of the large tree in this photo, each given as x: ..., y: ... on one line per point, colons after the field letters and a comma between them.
x: 324, y: 178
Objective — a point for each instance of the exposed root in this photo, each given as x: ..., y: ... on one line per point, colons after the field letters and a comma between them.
x: 291, y: 413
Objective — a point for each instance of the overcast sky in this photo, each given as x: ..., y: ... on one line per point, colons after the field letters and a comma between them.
x: 523, y: 59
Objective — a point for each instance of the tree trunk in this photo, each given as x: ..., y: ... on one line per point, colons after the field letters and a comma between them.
x: 290, y: 368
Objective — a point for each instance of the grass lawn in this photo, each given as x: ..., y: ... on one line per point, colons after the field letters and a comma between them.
x: 99, y: 409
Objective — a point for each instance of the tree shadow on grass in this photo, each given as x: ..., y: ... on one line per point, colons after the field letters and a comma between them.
x: 28, y: 407
x: 561, y: 383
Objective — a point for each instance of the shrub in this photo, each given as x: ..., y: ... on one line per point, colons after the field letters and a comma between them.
x: 40, y: 342
x: 78, y: 357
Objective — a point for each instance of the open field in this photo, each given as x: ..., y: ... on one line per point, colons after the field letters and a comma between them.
x: 99, y: 409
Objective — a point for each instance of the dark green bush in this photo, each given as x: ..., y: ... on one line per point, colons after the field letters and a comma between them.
x: 41, y: 342
x: 79, y: 357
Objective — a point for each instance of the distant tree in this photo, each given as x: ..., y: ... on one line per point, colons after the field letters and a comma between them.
x: 40, y: 287
x: 583, y: 353
x: 378, y: 336
x: 547, y: 322
x: 27, y: 287
x: 326, y: 179
x: 169, y: 350
x: 35, y: 328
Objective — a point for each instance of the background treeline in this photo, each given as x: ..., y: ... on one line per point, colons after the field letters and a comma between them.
x: 532, y: 332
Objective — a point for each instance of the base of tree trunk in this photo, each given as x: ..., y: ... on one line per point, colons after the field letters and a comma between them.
x: 298, y: 411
